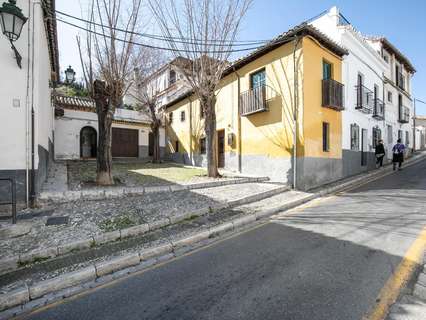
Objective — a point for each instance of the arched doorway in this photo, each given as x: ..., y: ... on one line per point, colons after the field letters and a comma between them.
x: 88, y: 142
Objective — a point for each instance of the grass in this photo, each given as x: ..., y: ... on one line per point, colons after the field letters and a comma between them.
x: 117, y: 223
x: 136, y: 173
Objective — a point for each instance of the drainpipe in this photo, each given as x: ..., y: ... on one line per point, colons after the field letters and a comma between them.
x: 295, y: 112
x: 191, y: 155
x: 27, y: 105
x: 238, y: 121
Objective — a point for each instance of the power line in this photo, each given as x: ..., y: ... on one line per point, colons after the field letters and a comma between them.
x: 166, y: 38
x: 152, y: 46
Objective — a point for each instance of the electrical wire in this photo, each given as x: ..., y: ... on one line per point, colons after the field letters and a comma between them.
x: 165, y: 38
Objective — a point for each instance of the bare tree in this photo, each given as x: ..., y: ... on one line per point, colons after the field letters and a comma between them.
x: 203, y: 31
x: 106, y: 56
x: 146, y: 89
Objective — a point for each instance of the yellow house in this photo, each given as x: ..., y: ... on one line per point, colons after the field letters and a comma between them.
x: 278, y: 113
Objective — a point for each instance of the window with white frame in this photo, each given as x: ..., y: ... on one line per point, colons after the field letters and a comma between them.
x: 377, y: 135
x: 354, y: 137
x: 389, y: 96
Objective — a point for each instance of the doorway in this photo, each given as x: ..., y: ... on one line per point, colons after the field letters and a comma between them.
x: 150, y: 144
x: 88, y: 142
x: 221, y: 148
x: 364, y: 147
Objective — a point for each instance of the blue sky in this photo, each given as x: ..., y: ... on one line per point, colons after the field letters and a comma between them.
x: 403, y: 23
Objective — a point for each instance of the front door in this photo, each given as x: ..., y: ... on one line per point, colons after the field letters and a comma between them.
x: 221, y: 148
x: 364, y: 147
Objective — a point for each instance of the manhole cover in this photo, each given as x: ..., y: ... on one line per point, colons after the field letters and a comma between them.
x: 55, y: 221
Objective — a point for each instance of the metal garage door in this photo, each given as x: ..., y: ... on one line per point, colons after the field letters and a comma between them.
x: 125, y: 142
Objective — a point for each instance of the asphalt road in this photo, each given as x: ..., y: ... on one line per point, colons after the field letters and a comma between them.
x: 327, y: 260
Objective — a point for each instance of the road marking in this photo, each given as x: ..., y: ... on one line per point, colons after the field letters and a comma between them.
x: 402, y: 275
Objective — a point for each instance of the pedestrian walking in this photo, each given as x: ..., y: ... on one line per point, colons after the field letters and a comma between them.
x: 398, y: 154
x: 380, y: 153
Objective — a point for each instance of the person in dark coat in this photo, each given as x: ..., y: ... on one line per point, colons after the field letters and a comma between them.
x: 398, y: 154
x: 380, y: 153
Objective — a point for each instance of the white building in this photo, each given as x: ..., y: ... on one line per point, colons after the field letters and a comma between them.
x: 26, y: 137
x: 397, y: 86
x: 420, y: 140
x: 168, y: 83
x: 76, y: 131
x: 367, y: 77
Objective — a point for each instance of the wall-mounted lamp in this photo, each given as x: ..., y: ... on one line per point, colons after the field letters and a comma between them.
x: 69, y: 75
x: 12, y: 20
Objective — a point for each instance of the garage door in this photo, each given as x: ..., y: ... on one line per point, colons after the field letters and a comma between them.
x: 125, y: 142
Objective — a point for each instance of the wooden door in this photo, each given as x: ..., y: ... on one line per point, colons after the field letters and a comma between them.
x: 221, y: 148
x: 364, y: 147
x: 150, y: 144
x: 125, y: 142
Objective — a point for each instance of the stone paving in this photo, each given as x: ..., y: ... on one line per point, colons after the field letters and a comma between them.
x: 60, y: 265
x: 89, y: 218
x: 412, y: 304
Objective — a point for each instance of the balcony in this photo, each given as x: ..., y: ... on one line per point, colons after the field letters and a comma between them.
x: 400, y: 81
x: 404, y: 114
x: 364, y: 99
x: 379, y: 109
x: 332, y: 94
x: 253, y: 101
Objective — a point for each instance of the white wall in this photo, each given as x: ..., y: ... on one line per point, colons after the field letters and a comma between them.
x: 16, y: 99
x: 68, y: 127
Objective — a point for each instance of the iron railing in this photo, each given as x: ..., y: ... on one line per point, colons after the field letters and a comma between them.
x: 404, y: 114
x: 364, y: 99
x: 379, y: 109
x: 332, y: 94
x: 253, y: 101
x: 12, y: 200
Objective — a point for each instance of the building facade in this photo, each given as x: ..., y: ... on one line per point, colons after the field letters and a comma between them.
x: 283, y: 99
x: 76, y: 131
x: 26, y: 114
x: 363, y: 120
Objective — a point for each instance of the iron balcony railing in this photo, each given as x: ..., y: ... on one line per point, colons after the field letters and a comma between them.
x: 404, y: 114
x: 379, y: 109
x: 400, y: 80
x: 253, y: 101
x: 364, y: 99
x: 332, y: 94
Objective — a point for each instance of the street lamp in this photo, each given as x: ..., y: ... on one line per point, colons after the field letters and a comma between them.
x: 69, y: 75
x: 12, y: 20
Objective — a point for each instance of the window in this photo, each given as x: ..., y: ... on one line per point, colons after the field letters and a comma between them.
x: 389, y: 96
x: 201, y: 112
x: 386, y: 58
x: 407, y: 138
x: 258, y: 79
x: 377, y: 135
x: 203, y: 146
x: 172, y: 77
x: 390, y: 135
x: 176, y: 146
x: 171, y: 117
x: 182, y: 116
x: 327, y: 70
x: 325, y: 137
x: 400, y: 135
x: 354, y: 137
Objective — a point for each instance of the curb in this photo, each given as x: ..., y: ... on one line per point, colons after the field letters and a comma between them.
x: 24, y: 295
x: 15, y: 262
x: 66, y: 196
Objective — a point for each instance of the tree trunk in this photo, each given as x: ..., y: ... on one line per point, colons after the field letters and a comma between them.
x: 155, y: 127
x: 211, y: 137
x: 104, y: 154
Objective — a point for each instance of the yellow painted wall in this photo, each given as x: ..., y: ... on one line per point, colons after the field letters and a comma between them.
x: 313, y: 113
x: 267, y: 133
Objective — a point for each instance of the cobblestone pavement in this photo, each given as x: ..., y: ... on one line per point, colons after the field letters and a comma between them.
x: 60, y: 265
x: 82, y: 174
x: 412, y: 304
x: 88, y: 218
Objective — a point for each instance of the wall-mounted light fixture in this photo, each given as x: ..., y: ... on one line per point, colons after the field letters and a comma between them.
x: 69, y: 75
x: 12, y: 20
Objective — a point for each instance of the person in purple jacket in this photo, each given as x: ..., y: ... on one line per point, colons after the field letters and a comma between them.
x: 398, y: 154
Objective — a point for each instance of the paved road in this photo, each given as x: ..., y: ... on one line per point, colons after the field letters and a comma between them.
x: 327, y: 260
